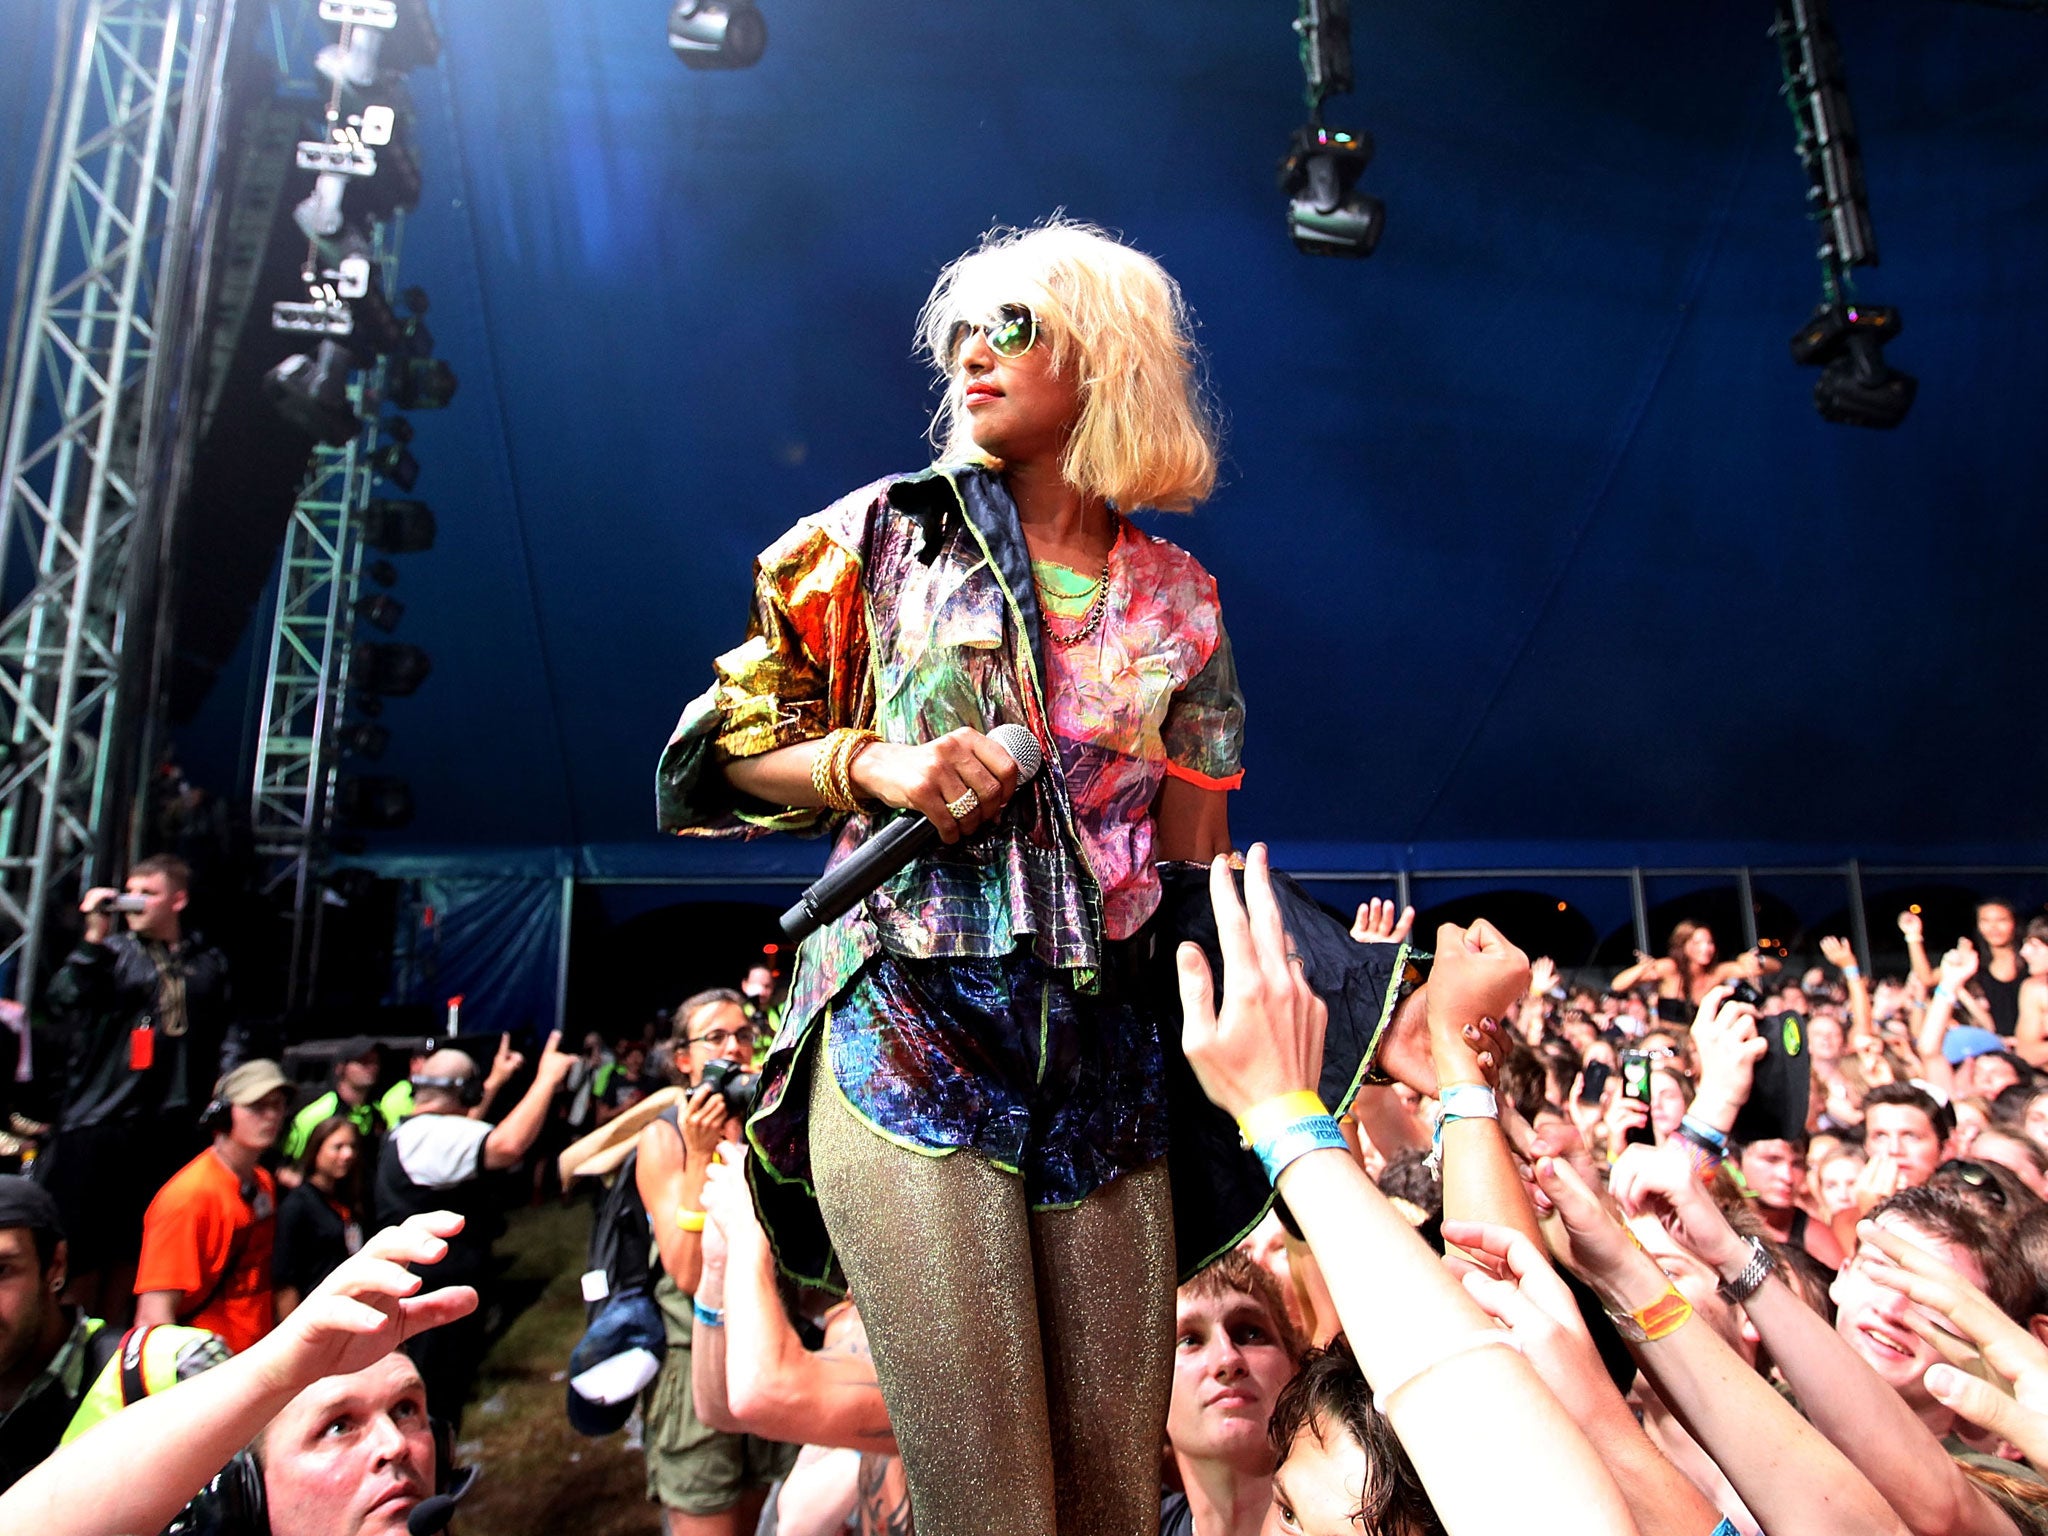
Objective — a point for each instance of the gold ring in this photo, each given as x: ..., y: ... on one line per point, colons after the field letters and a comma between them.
x: 964, y: 806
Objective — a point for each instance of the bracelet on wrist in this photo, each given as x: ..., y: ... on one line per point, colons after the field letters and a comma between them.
x: 1750, y: 1278
x: 1710, y: 1137
x: 1461, y: 1101
x: 1852, y: 972
x: 689, y: 1220
x: 1296, y: 1139
x: 707, y: 1317
x: 1659, y: 1320
x: 1269, y: 1115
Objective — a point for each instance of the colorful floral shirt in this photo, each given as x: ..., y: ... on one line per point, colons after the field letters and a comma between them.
x: 908, y: 608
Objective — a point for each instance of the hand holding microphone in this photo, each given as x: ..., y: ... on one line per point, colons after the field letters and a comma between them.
x: 948, y: 789
x: 959, y: 783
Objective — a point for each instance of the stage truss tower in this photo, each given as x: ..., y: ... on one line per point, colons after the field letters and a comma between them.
x: 96, y: 361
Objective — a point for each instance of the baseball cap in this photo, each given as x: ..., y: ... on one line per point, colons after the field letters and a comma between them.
x: 1961, y: 1044
x: 25, y: 1203
x: 617, y: 1357
x: 250, y: 1082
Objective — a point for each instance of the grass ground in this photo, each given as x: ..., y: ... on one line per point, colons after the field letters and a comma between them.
x: 540, y: 1477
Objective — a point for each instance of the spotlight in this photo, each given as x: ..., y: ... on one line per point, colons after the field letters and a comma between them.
x: 383, y: 572
x: 381, y: 611
x: 360, y: 738
x: 394, y: 462
x: 1856, y: 386
x: 1325, y: 216
x: 398, y: 527
x: 391, y: 669
x: 717, y: 34
x: 374, y: 802
x: 419, y: 383
x: 311, y: 392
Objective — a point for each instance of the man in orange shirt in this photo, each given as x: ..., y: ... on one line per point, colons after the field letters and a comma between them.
x: 208, y: 1234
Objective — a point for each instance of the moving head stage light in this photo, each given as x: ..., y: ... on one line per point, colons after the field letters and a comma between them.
x: 1843, y: 338
x: 1326, y: 215
x: 717, y: 34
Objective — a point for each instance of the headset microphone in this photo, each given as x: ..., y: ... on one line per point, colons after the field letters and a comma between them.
x: 432, y: 1514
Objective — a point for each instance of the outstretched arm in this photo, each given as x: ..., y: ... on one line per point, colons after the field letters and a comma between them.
x: 1414, y: 1330
x: 138, y: 1468
x: 1790, y: 1477
x: 774, y: 1386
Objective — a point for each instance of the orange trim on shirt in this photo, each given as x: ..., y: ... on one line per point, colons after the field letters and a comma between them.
x: 1202, y: 780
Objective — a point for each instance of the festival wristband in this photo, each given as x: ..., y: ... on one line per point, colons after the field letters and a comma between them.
x: 1713, y: 1140
x: 1851, y: 972
x: 1659, y: 1320
x: 1462, y: 1101
x: 1262, y: 1120
x: 707, y: 1317
x: 1298, y: 1138
x: 689, y: 1220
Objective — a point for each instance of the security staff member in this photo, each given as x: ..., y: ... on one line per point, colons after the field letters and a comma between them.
x: 355, y: 1078
x: 435, y: 1161
x: 61, y: 1372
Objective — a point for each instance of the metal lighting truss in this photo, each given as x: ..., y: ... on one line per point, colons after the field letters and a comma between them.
x: 93, y: 371
x: 305, y: 689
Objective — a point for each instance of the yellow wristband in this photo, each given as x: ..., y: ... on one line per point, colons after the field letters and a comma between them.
x: 689, y: 1220
x: 1262, y: 1121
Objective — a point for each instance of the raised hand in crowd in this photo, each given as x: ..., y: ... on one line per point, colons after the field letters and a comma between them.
x: 1862, y: 1414
x: 137, y: 1468
x: 1915, y: 933
x: 1477, y: 976
x: 752, y: 1374
x: 1418, y: 1338
x: 1787, y: 1474
x: 1381, y: 922
x: 513, y: 1137
x: 1842, y: 956
x: 1725, y: 1039
x: 1997, y: 1371
x: 1510, y: 1277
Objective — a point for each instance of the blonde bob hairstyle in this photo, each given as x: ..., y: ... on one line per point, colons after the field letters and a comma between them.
x: 1147, y: 433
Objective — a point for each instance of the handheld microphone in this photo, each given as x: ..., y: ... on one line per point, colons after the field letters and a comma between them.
x: 432, y: 1515
x: 905, y: 837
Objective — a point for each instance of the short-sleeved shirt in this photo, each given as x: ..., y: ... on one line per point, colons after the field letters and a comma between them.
x: 208, y: 1236
x: 909, y: 607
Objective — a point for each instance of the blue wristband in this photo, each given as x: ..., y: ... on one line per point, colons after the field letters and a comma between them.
x: 1704, y: 1134
x: 707, y: 1317
x: 1297, y: 1138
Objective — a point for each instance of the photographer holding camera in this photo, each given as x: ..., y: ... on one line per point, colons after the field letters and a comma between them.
x: 707, y: 1482
x: 143, y: 1009
x: 436, y: 1161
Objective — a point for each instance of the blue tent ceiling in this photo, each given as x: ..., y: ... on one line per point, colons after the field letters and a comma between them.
x: 1530, y: 541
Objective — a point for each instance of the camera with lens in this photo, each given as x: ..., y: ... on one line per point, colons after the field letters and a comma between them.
x: 735, y: 1083
x: 123, y: 904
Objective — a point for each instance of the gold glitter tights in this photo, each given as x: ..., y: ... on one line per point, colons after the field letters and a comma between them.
x: 1026, y: 1356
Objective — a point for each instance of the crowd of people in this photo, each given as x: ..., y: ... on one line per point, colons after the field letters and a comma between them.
x: 1713, y: 1248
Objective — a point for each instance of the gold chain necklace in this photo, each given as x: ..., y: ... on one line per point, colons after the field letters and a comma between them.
x: 1090, y: 621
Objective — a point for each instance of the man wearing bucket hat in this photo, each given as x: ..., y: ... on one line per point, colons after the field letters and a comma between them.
x: 208, y: 1234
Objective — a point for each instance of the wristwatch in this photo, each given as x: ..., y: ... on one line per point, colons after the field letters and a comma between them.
x: 1751, y: 1277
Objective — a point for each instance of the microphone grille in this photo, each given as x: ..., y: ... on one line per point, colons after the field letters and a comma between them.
x: 1018, y: 741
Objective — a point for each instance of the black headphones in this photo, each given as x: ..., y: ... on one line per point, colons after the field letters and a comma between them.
x: 235, y: 1503
x: 218, y: 1116
x: 469, y: 1089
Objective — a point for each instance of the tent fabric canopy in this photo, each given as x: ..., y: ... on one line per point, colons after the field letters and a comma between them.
x: 1530, y: 541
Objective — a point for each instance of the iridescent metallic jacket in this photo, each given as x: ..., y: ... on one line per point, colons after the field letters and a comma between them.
x: 908, y: 608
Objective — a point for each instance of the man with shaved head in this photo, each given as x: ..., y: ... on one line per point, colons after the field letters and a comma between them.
x: 435, y: 1161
